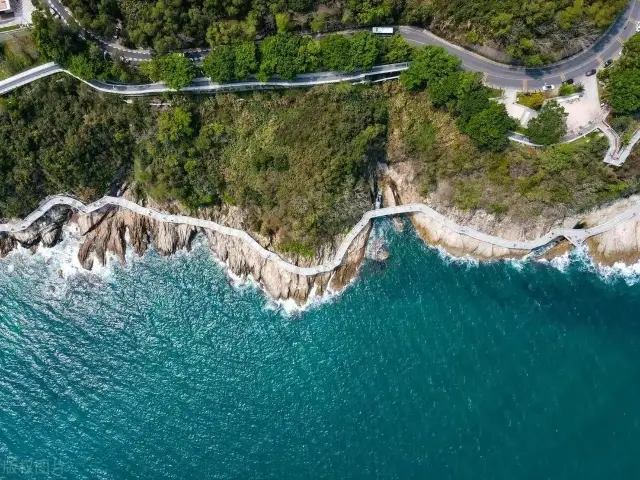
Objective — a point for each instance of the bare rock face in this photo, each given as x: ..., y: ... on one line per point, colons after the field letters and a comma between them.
x: 7, y: 243
x: 621, y: 244
x: 399, y: 183
x: 112, y: 230
x: 243, y: 261
x: 45, y: 231
x: 106, y: 232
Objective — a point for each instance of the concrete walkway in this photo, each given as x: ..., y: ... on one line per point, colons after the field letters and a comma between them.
x: 205, y: 85
x: 616, y: 154
x: 576, y: 237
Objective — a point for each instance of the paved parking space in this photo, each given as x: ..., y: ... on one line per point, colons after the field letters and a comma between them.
x: 585, y: 110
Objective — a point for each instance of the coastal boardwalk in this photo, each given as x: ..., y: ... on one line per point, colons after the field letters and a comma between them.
x: 575, y: 236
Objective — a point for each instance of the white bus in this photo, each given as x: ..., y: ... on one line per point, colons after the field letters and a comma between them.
x: 382, y: 30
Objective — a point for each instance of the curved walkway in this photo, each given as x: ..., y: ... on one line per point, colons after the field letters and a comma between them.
x: 576, y: 237
x: 497, y: 74
x: 203, y: 84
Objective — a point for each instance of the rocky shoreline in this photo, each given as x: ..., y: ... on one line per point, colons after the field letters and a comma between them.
x: 621, y: 244
x: 113, y: 230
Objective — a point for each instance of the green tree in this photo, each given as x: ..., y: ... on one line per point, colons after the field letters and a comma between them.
x: 490, y: 128
x: 90, y: 64
x: 549, y: 126
x: 279, y: 55
x: 174, y: 125
x: 318, y: 22
x: 309, y: 56
x: 175, y: 70
x: 283, y: 22
x: 224, y: 32
x: 364, y: 50
x: 429, y: 64
x: 336, y: 53
x: 54, y: 41
x: 219, y: 65
x: 245, y: 59
x: 625, y: 90
x: 397, y: 49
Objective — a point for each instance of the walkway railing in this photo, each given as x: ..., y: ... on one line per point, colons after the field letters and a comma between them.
x: 575, y: 236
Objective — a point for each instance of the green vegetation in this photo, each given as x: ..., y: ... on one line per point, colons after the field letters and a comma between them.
x: 549, y: 126
x: 83, y: 154
x: 286, y: 55
x: 623, y: 79
x: 533, y: 100
x: 521, y: 182
x: 63, y: 45
x: 532, y: 32
x: 176, y: 70
x: 462, y: 94
x: 298, y: 163
x: 17, y: 53
x: 10, y: 28
x: 567, y: 89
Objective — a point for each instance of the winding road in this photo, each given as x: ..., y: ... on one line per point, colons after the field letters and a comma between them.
x: 497, y: 74
x: 575, y: 236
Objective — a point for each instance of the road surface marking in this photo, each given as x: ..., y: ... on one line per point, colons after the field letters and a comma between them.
x: 563, y: 77
x: 524, y: 85
x: 599, y: 58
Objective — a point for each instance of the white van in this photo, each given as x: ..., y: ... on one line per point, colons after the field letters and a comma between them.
x: 382, y: 30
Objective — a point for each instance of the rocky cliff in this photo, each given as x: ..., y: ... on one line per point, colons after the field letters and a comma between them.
x: 113, y: 230
x: 46, y: 231
x: 621, y: 244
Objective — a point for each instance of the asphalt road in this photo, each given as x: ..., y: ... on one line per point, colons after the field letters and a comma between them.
x: 509, y: 76
x: 497, y: 74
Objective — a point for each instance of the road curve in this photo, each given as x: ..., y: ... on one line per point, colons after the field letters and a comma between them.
x: 497, y: 74
x: 575, y: 236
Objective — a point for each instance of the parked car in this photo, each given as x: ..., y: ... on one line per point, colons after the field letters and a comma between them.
x: 546, y: 88
x: 608, y: 62
x: 638, y: 27
x: 591, y: 72
x: 568, y: 81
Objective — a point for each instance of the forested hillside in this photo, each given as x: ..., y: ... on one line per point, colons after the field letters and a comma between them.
x: 529, y: 31
x: 298, y: 162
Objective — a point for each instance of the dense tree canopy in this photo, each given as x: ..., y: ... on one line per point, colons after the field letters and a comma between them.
x: 530, y: 31
x: 176, y: 70
x: 462, y: 94
x: 429, y: 65
x: 489, y: 129
x: 286, y: 55
x: 624, y: 85
x: 84, y: 58
x: 549, y: 126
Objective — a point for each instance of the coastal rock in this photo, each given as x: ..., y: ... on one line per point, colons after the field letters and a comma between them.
x: 245, y: 262
x: 399, y: 186
x: 7, y: 243
x: 45, y: 231
x: 559, y: 249
x: 112, y: 229
x: 108, y: 232
x: 621, y: 244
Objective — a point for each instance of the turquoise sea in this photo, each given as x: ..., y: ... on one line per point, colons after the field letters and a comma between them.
x: 424, y: 368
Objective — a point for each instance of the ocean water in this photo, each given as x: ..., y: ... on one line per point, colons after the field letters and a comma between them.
x: 424, y: 368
